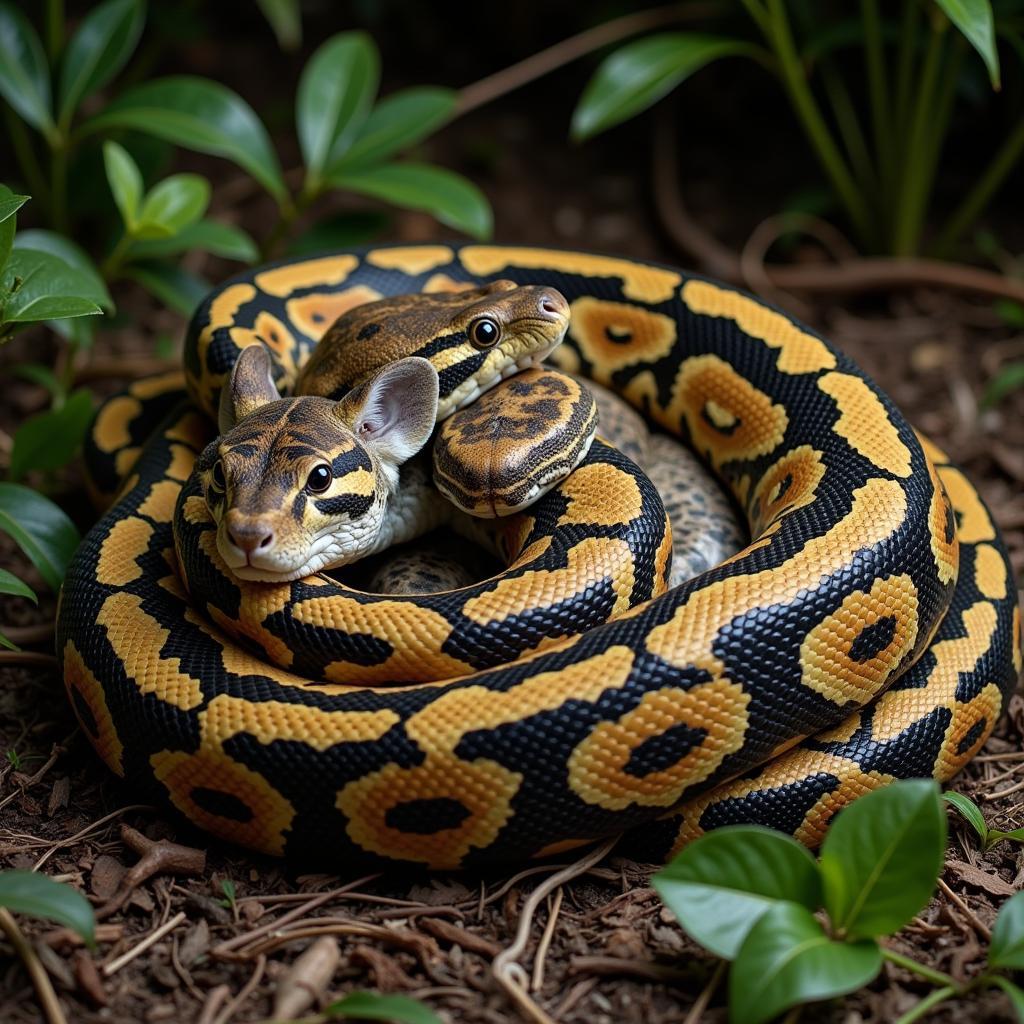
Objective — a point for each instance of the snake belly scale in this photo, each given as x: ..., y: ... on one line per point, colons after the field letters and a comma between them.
x: 868, y: 632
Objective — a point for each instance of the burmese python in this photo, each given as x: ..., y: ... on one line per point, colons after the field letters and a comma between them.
x: 844, y: 620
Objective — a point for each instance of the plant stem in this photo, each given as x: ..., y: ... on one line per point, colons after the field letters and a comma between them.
x: 927, y: 1004
x: 54, y: 29
x: 936, y: 977
x: 110, y: 267
x: 814, y: 124
x: 878, y: 88
x: 905, y: 65
x: 25, y: 154
x: 759, y: 14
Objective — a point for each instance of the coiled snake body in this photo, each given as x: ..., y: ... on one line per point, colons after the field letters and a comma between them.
x: 869, y: 632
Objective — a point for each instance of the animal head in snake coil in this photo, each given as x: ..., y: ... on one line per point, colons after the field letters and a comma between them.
x: 297, y: 485
x: 474, y: 339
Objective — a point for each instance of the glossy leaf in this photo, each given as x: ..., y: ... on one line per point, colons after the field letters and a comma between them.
x: 38, y: 286
x: 996, y: 835
x: 447, y: 196
x: 285, y: 19
x: 172, y: 285
x: 397, y: 122
x: 1007, y: 946
x: 210, y: 236
x: 40, y: 528
x: 1009, y: 379
x: 9, y: 206
x: 788, y: 959
x: 24, y: 73
x: 50, y: 439
x: 1015, y: 994
x: 173, y: 204
x: 105, y: 40
x: 724, y: 882
x: 75, y: 257
x: 10, y: 584
x: 881, y: 857
x: 974, y: 19
x: 970, y: 812
x: 125, y: 182
x: 201, y: 115
x: 336, y: 91
x: 28, y: 892
x: 374, y: 1006
x: 640, y: 73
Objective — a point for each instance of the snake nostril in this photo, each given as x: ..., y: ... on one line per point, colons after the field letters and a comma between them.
x: 552, y: 303
x: 250, y: 539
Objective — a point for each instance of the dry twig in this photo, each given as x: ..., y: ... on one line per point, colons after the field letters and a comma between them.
x: 40, y: 979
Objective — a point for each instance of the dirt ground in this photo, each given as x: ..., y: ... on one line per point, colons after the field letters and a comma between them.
x: 599, y: 948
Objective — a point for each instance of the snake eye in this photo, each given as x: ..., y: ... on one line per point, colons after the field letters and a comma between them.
x: 319, y: 478
x: 484, y: 333
x: 217, y: 476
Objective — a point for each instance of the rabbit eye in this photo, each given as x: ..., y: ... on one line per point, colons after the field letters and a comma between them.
x: 217, y: 476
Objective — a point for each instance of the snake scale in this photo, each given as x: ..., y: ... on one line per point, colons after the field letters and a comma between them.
x: 869, y: 631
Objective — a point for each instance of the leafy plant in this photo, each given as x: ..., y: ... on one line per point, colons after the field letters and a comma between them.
x: 27, y: 892
x: 879, y: 152
x: 230, y: 895
x: 375, y: 1006
x: 971, y: 813
x: 755, y: 898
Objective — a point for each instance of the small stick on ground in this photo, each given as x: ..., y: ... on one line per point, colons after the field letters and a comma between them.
x: 545, y: 942
x: 150, y: 940
x: 40, y: 979
x: 983, y: 930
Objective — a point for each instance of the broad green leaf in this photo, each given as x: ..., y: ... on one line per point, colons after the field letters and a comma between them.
x: 975, y: 21
x: 50, y: 439
x: 37, y: 286
x: 1007, y: 946
x: 970, y: 811
x: 27, y: 892
x: 788, y: 959
x: 374, y: 1006
x: 125, y: 182
x: 10, y: 584
x: 996, y: 835
x: 356, y: 227
x: 881, y: 857
x: 173, y: 204
x: 397, y: 122
x: 9, y: 206
x: 723, y: 883
x: 24, y: 74
x: 1010, y: 378
x: 40, y: 528
x: 1016, y: 995
x: 640, y: 73
x: 201, y: 115
x: 447, y: 196
x: 176, y: 288
x: 336, y: 90
x: 105, y: 40
x: 285, y: 19
x: 211, y: 236
x: 70, y: 253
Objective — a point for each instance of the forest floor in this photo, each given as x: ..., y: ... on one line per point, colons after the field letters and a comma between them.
x: 609, y: 951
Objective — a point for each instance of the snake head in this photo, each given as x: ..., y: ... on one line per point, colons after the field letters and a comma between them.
x: 297, y: 485
x: 474, y: 338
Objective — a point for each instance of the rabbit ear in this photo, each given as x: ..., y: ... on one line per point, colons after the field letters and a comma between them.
x: 395, y: 411
x: 249, y: 387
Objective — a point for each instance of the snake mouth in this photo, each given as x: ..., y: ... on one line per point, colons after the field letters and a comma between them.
x: 524, y: 362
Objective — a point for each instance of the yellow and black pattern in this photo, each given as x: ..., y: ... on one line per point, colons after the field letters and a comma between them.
x: 845, y: 619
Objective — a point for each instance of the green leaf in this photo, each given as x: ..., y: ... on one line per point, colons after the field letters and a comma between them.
x: 173, y: 204
x: 125, y: 182
x: 397, y: 122
x: 881, y: 857
x: 1010, y: 378
x: 10, y: 584
x: 27, y: 892
x: 37, y: 286
x: 9, y: 206
x: 176, y: 288
x: 996, y: 835
x: 40, y: 528
x: 210, y: 236
x: 970, y: 812
x: 975, y: 21
x: 24, y: 74
x: 90, y: 282
x: 447, y: 196
x: 50, y: 439
x: 105, y: 40
x: 201, y: 115
x: 374, y: 1006
x: 1007, y: 946
x: 723, y: 883
x: 1015, y: 994
x: 1010, y: 312
x: 286, y: 21
x: 640, y: 73
x: 336, y: 89
x: 788, y: 959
